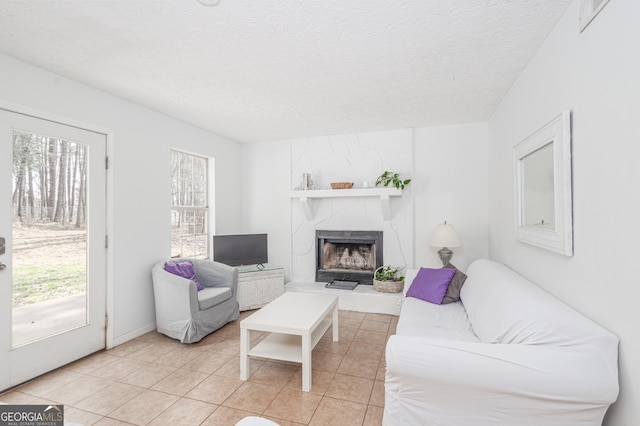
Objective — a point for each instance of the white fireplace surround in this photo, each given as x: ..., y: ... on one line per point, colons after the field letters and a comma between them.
x: 360, y: 159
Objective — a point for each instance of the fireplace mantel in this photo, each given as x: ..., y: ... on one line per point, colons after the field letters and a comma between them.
x: 383, y: 193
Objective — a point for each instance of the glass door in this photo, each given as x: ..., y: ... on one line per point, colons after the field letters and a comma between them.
x: 52, y: 272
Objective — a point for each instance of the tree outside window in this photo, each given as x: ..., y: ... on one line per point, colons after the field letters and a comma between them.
x: 189, y: 205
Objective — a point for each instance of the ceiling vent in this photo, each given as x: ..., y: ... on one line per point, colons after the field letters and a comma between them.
x: 589, y: 10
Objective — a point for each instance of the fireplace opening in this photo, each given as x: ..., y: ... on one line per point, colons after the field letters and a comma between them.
x: 348, y: 255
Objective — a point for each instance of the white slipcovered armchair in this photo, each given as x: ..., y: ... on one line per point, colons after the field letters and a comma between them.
x: 186, y: 314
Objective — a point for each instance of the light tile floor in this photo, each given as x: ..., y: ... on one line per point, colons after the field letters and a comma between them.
x: 155, y: 380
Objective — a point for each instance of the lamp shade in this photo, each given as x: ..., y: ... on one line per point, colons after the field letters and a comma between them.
x: 445, y: 235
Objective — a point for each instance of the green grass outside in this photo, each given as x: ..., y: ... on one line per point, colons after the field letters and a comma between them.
x: 35, y: 284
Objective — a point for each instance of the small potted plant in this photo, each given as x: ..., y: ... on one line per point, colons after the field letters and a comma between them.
x: 386, y: 279
x: 392, y: 178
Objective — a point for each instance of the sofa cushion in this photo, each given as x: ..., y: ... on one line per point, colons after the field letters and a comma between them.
x: 211, y: 296
x: 454, y: 287
x: 431, y: 284
x: 409, y: 276
x: 447, y: 322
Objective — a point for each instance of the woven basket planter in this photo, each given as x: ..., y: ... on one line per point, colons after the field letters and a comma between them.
x: 387, y: 286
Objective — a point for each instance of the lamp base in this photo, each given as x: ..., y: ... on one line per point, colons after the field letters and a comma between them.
x: 445, y: 255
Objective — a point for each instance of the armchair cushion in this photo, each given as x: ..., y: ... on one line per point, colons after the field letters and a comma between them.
x: 212, y: 296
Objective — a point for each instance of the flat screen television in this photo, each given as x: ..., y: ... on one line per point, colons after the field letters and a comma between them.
x: 243, y: 249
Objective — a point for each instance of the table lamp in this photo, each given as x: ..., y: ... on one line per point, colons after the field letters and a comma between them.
x: 445, y: 236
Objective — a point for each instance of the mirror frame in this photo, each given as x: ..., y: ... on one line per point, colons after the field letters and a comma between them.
x: 559, y: 239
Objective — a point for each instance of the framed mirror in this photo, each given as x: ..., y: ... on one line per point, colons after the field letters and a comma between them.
x: 543, y: 187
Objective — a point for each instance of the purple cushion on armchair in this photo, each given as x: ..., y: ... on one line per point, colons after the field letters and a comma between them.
x: 184, y: 270
x: 431, y: 284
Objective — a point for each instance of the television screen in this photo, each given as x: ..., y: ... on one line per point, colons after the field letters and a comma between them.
x: 236, y: 250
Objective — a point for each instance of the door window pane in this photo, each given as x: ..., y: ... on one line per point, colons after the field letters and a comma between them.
x: 49, y: 257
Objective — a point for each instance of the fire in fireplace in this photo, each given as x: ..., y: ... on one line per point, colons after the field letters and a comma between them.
x: 348, y: 255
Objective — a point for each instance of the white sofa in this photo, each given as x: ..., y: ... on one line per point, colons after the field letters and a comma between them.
x: 507, y: 353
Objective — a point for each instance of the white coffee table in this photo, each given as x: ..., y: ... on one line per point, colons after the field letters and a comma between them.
x: 296, y: 322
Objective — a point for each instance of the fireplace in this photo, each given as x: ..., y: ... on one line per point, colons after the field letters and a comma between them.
x: 348, y: 255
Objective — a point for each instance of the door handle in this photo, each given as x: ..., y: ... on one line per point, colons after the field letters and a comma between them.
x: 2, y: 266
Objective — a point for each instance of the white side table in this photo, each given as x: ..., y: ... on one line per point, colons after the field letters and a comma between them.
x: 257, y: 287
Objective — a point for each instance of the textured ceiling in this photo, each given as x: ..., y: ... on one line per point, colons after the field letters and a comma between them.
x: 278, y: 69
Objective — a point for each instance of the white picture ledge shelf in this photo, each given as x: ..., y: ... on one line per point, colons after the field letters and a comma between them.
x: 383, y: 193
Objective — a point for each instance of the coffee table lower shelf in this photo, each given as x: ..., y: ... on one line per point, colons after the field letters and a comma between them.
x: 287, y: 347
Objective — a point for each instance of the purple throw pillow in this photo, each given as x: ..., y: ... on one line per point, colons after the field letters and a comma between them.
x: 431, y: 284
x: 184, y: 270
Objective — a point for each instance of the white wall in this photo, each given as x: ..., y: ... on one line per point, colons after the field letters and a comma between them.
x: 140, y: 178
x: 450, y: 183
x: 595, y: 75
x: 266, y: 178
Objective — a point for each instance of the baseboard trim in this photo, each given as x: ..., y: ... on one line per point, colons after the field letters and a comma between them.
x: 133, y: 334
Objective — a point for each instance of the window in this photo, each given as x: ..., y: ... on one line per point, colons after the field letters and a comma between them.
x: 189, y: 205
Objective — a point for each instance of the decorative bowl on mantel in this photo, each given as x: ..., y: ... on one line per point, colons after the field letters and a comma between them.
x: 341, y: 185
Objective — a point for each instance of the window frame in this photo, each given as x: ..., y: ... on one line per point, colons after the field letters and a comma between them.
x: 176, y: 209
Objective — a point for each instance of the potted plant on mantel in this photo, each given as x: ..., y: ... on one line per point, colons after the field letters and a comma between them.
x: 392, y: 178
x: 386, y: 280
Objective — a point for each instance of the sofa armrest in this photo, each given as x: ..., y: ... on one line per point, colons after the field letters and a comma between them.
x: 442, y: 381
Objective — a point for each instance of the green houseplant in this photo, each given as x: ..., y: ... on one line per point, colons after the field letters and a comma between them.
x: 392, y: 178
x: 387, y: 279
